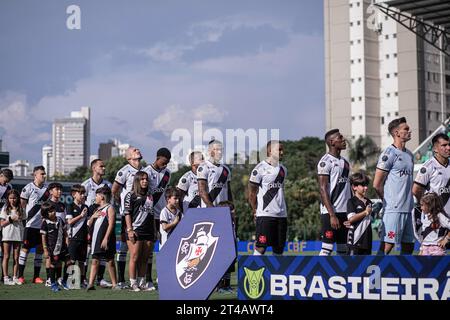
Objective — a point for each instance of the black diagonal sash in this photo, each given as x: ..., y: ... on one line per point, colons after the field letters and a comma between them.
x: 272, y: 192
x: 162, y: 185
x: 195, y: 202
x: 340, y: 186
x: 213, y: 193
x: 37, y: 207
x: 4, y: 195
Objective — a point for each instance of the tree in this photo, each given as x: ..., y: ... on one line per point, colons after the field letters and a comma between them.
x: 363, y: 153
x: 80, y: 174
x: 112, y: 166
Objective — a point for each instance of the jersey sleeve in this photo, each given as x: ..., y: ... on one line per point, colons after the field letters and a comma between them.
x: 69, y: 212
x: 164, y: 216
x: 121, y: 177
x: 386, y: 161
x: 202, y: 172
x: 324, y: 168
x: 26, y: 192
x: 3, y: 215
x: 127, y: 208
x: 351, y: 210
x: 423, y: 176
x: 183, y: 184
x: 44, y: 228
x: 444, y: 221
x: 256, y: 175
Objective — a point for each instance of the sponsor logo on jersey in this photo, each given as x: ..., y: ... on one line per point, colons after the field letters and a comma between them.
x: 217, y: 185
x: 343, y: 180
x: 275, y: 185
x: 444, y: 190
x: 405, y: 172
x: 254, y: 283
x: 156, y: 190
x: 195, y: 252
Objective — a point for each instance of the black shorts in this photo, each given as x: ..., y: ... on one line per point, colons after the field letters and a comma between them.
x: 330, y: 235
x: 78, y: 250
x: 107, y: 255
x: 271, y: 231
x: 31, y: 238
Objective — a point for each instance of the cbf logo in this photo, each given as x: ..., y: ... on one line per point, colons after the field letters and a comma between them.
x: 195, y: 253
x: 254, y: 283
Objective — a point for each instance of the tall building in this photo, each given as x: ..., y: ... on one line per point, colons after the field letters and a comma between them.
x: 47, y: 160
x: 377, y: 70
x: 4, y: 156
x: 21, y: 168
x: 71, y: 141
x: 112, y: 148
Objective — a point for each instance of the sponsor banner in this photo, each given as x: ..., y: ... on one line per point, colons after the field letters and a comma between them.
x: 196, y: 255
x: 296, y: 247
x: 344, y: 277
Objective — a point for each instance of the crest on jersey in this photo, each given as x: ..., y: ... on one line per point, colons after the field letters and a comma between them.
x: 423, y: 170
x: 195, y: 253
x: 384, y: 158
x: 200, y: 169
x: 322, y: 164
x: 183, y: 180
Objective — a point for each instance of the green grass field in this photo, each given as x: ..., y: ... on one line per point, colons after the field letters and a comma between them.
x: 29, y: 291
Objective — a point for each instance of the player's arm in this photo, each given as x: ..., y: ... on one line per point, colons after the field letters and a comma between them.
x: 253, y: 189
x: 115, y: 190
x: 204, y: 193
x: 128, y: 223
x: 181, y: 194
x: 418, y: 191
x: 110, y: 230
x: 324, y: 181
x: 72, y: 220
x: 169, y: 226
x: 378, y: 182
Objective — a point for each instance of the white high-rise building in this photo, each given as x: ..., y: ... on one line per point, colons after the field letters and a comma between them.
x: 47, y: 160
x: 21, y: 168
x: 71, y: 142
x: 374, y: 75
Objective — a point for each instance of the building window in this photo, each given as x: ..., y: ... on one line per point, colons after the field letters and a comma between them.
x: 387, y: 75
x: 388, y: 94
x: 396, y: 113
x: 382, y: 120
x: 388, y: 114
x: 351, y: 5
x: 386, y: 18
x: 351, y: 42
x: 394, y: 35
x: 360, y: 117
x: 353, y: 99
x: 351, y: 24
x: 358, y: 22
x: 359, y: 41
x: 437, y: 116
x: 351, y: 61
x: 360, y: 98
x: 353, y: 118
x: 359, y: 79
x: 387, y: 56
x: 395, y: 55
x: 396, y: 93
x: 353, y: 80
x: 359, y: 60
x: 357, y: 4
x: 429, y: 115
x: 395, y: 74
x: 386, y: 36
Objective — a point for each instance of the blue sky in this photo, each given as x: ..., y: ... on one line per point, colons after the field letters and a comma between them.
x: 149, y: 67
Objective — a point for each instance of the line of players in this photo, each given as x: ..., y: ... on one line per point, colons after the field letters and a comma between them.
x: 208, y: 184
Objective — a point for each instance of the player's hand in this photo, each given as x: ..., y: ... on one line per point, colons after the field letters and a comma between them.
x: 368, y: 210
x: 347, y: 224
x: 104, y: 244
x: 46, y: 253
x: 334, y: 222
x: 443, y: 243
x: 84, y: 212
x: 132, y: 236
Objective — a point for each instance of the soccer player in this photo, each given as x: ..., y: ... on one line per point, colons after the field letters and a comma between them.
x: 6, y: 175
x: 434, y: 174
x: 32, y: 196
x: 159, y: 177
x: 214, y: 178
x: 103, y: 237
x: 140, y: 229
x: 170, y: 215
x: 91, y: 185
x: 266, y: 198
x: 122, y: 185
x: 188, y: 186
x: 333, y: 171
x: 77, y: 214
x: 393, y: 183
x: 54, y: 241
x: 359, y: 208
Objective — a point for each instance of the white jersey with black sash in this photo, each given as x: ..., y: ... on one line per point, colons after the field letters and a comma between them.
x: 338, y: 171
x: 360, y: 233
x: 270, y: 180
x: 99, y: 231
x: 188, y: 183
x: 157, y: 185
x: 54, y: 235
x: 125, y: 178
x: 140, y: 210
x: 217, y: 178
x: 428, y: 232
x: 36, y: 197
x: 91, y: 187
x: 4, y: 189
x: 435, y: 177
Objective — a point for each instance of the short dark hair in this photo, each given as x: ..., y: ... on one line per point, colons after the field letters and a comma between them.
x: 359, y: 178
x: 164, y: 152
x: 93, y: 162
x: 7, y: 173
x: 105, y: 191
x: 395, y: 123
x: 170, y: 192
x: 192, y: 155
x: 269, y: 143
x: 227, y: 203
x: 330, y: 133
x: 439, y: 136
x: 54, y: 185
x: 77, y: 188
x: 37, y: 168
x: 46, y: 208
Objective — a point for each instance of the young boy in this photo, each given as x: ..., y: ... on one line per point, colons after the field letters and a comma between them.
x: 54, y: 241
x: 103, y: 237
x: 55, y: 190
x: 78, y: 230
x: 170, y: 215
x: 359, y: 208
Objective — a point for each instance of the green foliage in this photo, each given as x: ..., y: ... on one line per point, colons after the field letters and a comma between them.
x: 112, y: 166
